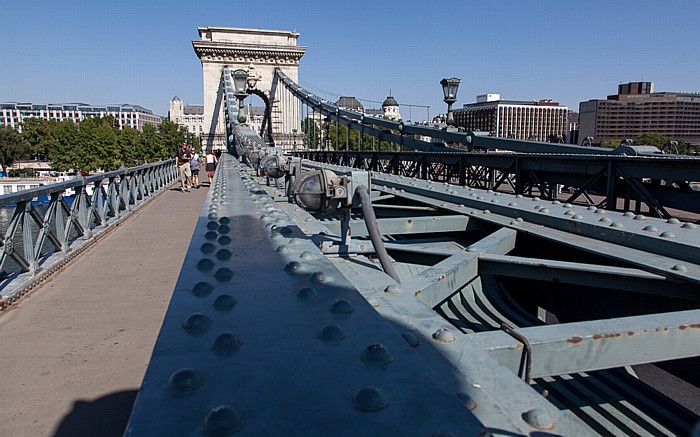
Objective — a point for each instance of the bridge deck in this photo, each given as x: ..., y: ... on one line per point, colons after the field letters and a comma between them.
x: 74, y: 352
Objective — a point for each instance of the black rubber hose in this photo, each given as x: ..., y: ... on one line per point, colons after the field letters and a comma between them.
x: 374, y: 235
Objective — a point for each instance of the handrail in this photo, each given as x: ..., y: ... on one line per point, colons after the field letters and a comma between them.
x: 69, y: 223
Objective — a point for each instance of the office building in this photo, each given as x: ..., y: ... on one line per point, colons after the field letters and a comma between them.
x: 13, y: 114
x: 524, y: 120
x: 637, y: 109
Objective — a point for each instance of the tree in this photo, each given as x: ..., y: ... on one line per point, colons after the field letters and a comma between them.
x: 64, y: 151
x: 151, y: 145
x: 40, y: 135
x: 130, y: 147
x: 12, y: 147
x: 172, y: 135
x: 651, y: 139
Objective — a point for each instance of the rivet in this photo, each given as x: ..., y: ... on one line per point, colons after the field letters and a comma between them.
x: 486, y: 211
x: 536, y: 199
x: 283, y: 249
x: 224, y: 302
x: 680, y: 268
x: 207, y: 248
x: 479, y: 197
x: 628, y: 214
x: 568, y: 205
x: 320, y: 277
x: 224, y: 220
x: 512, y: 204
x: 556, y: 202
x: 223, y: 229
x: 212, y: 225
x: 689, y: 226
x: 519, y: 220
x: 544, y: 211
x: 673, y: 221
x: 617, y: 225
x: 211, y: 235
x: 393, y: 289
x: 514, y: 222
x: 569, y: 212
x: 293, y: 266
x: 223, y: 254
x: 538, y: 419
x: 306, y: 255
x: 224, y: 240
x: 331, y: 333
x: 467, y: 400
x: 494, y: 200
x: 342, y: 306
x: 667, y: 235
x: 307, y: 293
x: 222, y: 421
x: 196, y: 322
x: 650, y: 228
x: 184, y: 380
x: 444, y: 335
x: 538, y: 207
x: 577, y: 217
x: 212, y: 215
x: 205, y: 264
x: 411, y: 339
x: 640, y: 217
x: 599, y: 211
x: 226, y: 342
x: 223, y: 274
x: 369, y: 399
x: 202, y: 289
x: 518, y: 196
x: 376, y: 354
x: 605, y: 220
x: 296, y: 242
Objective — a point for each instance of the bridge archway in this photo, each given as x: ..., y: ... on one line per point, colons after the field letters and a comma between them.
x: 258, y: 51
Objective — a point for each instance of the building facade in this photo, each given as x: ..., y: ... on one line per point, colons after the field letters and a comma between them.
x: 13, y: 114
x: 535, y: 121
x: 637, y: 109
x: 189, y: 116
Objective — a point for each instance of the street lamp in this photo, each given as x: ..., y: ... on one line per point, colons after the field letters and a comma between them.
x: 449, y: 90
x: 294, y: 138
x: 240, y: 79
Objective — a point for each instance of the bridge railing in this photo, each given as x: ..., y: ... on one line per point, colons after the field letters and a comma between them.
x: 41, y: 227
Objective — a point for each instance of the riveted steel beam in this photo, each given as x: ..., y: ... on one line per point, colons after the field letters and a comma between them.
x: 617, y: 278
x: 600, y: 344
x: 410, y: 225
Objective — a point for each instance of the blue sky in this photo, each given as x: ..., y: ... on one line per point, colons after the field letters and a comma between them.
x: 140, y: 52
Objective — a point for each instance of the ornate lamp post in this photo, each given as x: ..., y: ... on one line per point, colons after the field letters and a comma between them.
x: 240, y: 83
x: 449, y: 90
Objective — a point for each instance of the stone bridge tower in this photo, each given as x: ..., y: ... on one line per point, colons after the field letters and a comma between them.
x: 257, y: 51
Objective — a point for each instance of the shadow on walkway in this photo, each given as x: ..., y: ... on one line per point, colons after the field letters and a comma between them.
x: 105, y: 417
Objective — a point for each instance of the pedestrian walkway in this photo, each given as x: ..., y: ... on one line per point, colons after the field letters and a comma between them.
x: 75, y: 351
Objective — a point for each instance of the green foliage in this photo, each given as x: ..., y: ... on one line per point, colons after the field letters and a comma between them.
x: 329, y: 138
x: 172, y: 136
x: 651, y: 139
x: 610, y: 144
x: 39, y: 134
x: 12, y: 147
x: 64, y: 152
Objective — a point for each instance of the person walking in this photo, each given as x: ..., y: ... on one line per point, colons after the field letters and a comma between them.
x: 194, y: 167
x: 183, y: 163
x: 210, y: 165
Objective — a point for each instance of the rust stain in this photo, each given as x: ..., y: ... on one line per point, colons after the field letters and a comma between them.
x: 695, y: 325
x: 409, y: 221
x: 683, y: 327
x: 441, y: 277
x: 574, y: 340
x: 604, y: 336
x: 665, y: 329
x: 657, y: 330
x: 630, y: 333
x: 417, y: 293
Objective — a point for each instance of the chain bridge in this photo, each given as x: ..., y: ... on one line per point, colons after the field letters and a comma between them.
x: 419, y: 281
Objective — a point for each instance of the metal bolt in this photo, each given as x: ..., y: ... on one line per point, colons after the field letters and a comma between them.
x: 184, y: 380
x: 376, y: 354
x: 667, y: 235
x: 331, y: 333
x: 222, y: 421
x: 207, y: 248
x: 393, y: 289
x: 342, y: 306
x: 226, y: 342
x: 444, y: 335
x: 617, y: 225
x: 369, y: 399
x: 205, y: 264
x: 223, y: 274
x: 307, y: 293
x: 293, y: 266
x: 538, y: 419
x: 680, y: 268
x: 224, y: 302
x: 320, y: 277
x: 202, y: 289
x: 196, y: 322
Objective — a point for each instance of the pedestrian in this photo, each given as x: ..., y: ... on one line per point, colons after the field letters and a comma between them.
x: 210, y: 165
x: 183, y: 163
x: 194, y: 167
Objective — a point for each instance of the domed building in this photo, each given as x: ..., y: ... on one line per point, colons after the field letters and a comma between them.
x: 390, y: 109
x: 189, y: 116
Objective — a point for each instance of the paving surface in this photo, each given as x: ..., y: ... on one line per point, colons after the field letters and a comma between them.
x: 74, y: 352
